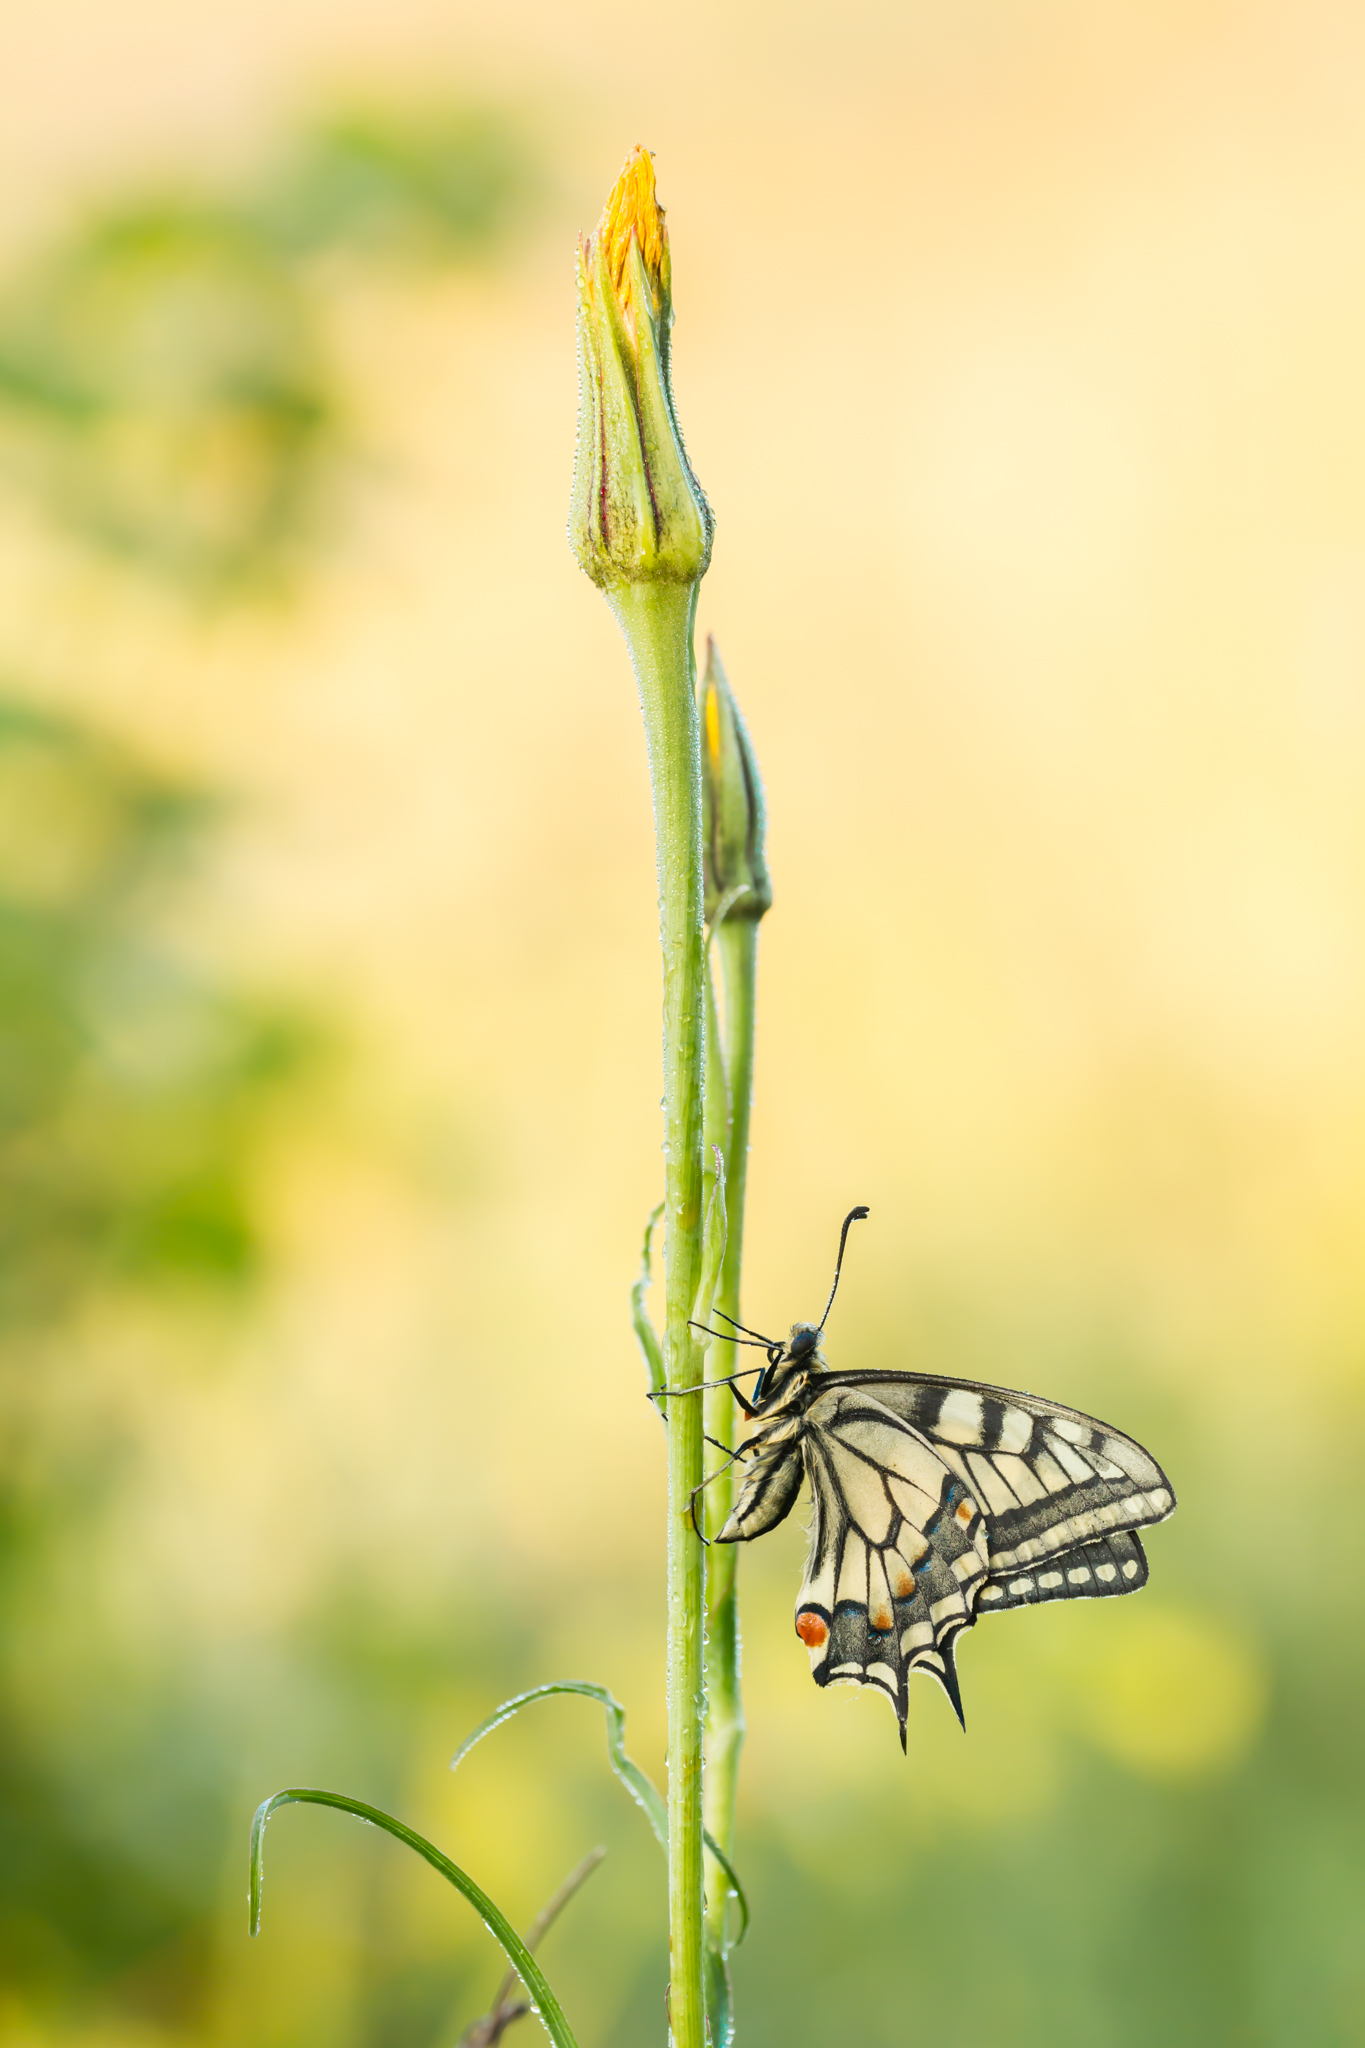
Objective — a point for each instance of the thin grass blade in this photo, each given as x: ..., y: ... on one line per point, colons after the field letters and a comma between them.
x: 505, y: 2009
x: 544, y: 2003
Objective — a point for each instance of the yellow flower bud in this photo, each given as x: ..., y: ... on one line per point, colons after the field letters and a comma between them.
x: 732, y: 801
x: 639, y: 515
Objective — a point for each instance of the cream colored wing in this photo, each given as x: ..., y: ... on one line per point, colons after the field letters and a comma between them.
x: 898, y: 1551
x: 1050, y: 1481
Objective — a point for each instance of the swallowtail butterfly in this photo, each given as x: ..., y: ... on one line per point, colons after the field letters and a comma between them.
x: 935, y: 1501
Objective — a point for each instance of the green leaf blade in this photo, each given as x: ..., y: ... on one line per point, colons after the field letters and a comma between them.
x: 543, y: 2001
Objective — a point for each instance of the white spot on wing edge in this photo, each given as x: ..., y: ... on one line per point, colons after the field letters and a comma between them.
x: 960, y: 1419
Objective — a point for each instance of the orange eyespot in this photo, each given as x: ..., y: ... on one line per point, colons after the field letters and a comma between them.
x: 812, y: 1629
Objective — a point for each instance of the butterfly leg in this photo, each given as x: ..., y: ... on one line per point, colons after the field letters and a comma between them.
x: 692, y: 1498
x: 700, y: 1387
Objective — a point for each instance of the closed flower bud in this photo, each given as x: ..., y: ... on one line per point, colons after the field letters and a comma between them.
x: 732, y: 800
x: 638, y: 514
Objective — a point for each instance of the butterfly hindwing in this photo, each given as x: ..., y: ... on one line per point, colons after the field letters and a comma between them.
x: 898, y: 1551
x: 1096, y: 1571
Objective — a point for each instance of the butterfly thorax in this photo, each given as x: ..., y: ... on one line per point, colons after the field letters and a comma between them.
x: 785, y: 1377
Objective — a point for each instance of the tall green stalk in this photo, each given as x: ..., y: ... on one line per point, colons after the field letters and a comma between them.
x: 738, y: 895
x: 738, y: 945
x: 641, y: 529
x: 657, y: 622
x: 725, y: 1725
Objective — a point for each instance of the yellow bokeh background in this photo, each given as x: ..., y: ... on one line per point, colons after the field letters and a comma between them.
x: 1018, y: 350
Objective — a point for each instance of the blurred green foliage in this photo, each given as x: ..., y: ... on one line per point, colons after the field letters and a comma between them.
x: 166, y: 390
x: 133, y: 1088
x: 167, y: 397
x: 129, y: 1084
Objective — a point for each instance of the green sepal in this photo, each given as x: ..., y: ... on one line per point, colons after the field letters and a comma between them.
x: 734, y: 813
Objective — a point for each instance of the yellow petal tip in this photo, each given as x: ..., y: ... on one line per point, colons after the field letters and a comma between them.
x: 633, y: 210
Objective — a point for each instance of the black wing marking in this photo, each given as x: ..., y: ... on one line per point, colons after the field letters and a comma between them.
x: 898, y: 1551
x: 1050, y: 1480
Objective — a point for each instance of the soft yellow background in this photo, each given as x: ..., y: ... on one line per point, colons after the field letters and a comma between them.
x: 1019, y: 350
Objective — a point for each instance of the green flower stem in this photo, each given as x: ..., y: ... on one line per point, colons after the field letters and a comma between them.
x: 738, y: 944
x: 656, y: 619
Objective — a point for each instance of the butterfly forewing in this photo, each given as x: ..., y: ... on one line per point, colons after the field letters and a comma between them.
x: 1048, y: 1478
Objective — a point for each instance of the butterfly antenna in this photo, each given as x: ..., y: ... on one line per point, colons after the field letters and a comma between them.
x: 853, y: 1216
x: 767, y: 1341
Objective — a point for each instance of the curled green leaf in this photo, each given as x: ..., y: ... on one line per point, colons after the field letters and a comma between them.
x: 646, y: 1336
x: 544, y: 2003
x: 735, y: 1886
x: 640, y: 1786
